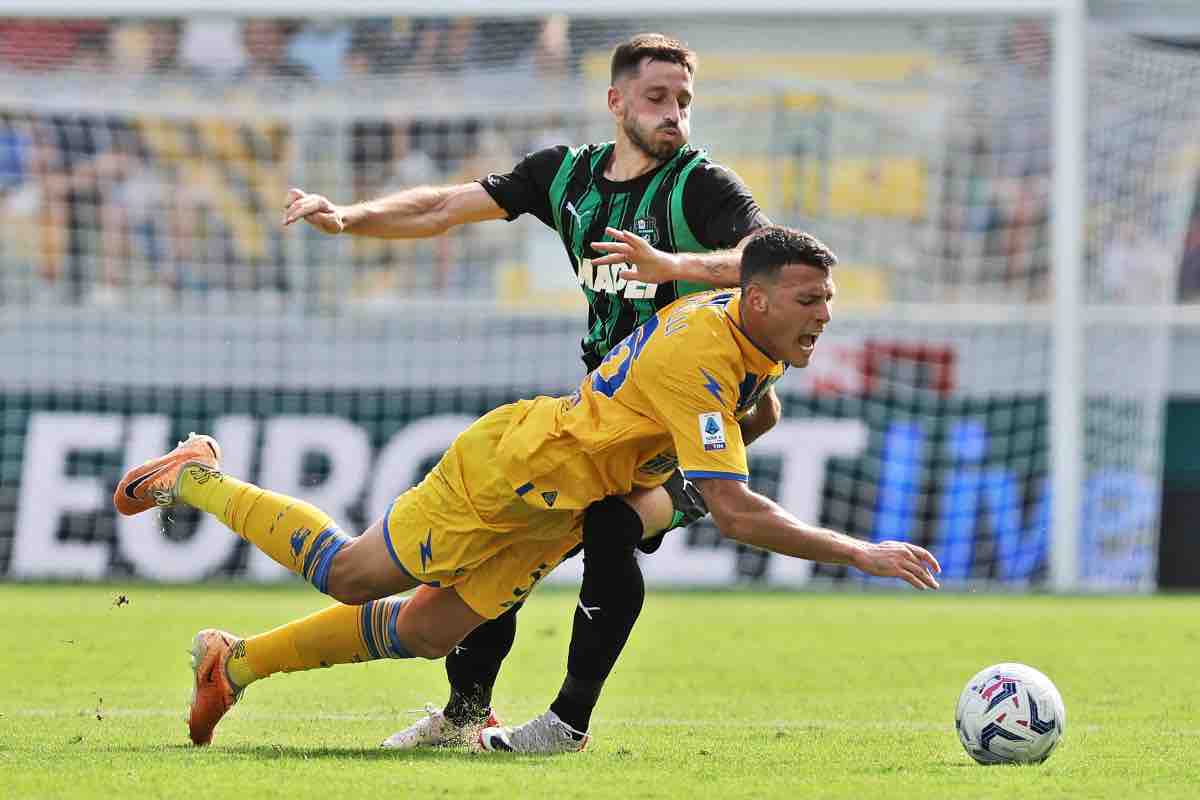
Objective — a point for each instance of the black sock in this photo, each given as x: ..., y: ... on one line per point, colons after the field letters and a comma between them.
x: 609, y: 603
x: 472, y: 668
x: 575, y: 702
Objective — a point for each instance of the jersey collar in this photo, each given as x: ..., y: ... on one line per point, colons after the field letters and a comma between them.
x: 617, y: 187
x: 755, y: 357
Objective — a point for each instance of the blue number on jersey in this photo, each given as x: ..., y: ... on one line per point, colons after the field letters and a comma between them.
x: 627, y: 350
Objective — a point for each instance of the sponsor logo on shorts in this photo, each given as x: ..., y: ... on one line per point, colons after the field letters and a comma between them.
x: 534, y: 577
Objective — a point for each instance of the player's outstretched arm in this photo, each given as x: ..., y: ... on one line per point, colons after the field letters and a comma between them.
x: 755, y: 520
x: 720, y: 268
x: 415, y: 213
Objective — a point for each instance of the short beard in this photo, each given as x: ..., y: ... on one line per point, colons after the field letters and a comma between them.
x: 660, y: 152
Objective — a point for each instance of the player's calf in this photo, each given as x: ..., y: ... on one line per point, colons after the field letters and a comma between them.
x: 361, y: 570
x: 295, y: 534
x: 435, y: 620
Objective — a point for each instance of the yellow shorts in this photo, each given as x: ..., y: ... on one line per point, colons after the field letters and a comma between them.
x: 465, y: 526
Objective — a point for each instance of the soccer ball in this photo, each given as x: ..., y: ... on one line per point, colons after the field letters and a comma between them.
x: 1010, y: 714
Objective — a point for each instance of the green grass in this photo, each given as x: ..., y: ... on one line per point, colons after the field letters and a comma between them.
x: 721, y: 695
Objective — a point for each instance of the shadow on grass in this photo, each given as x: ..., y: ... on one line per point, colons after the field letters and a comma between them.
x: 267, y: 752
x: 946, y: 762
x: 274, y: 752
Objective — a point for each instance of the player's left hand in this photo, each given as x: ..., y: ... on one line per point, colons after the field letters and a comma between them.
x: 646, y: 263
x: 903, y: 560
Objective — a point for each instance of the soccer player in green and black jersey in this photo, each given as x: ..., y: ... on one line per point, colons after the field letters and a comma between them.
x: 686, y: 204
x: 644, y: 219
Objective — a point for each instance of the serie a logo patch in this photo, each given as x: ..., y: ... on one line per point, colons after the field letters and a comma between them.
x: 712, y: 431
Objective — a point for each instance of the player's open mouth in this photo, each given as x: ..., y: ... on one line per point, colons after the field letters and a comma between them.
x: 808, y: 341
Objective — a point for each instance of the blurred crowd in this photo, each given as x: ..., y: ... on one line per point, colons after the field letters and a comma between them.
x: 994, y: 207
x: 284, y: 50
x: 996, y: 192
x: 104, y: 208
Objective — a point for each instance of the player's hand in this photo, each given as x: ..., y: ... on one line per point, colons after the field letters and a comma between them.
x: 899, y: 560
x: 646, y: 263
x: 314, y: 209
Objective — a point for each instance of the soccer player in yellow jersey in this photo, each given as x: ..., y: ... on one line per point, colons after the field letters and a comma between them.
x: 597, y: 197
x: 506, y: 502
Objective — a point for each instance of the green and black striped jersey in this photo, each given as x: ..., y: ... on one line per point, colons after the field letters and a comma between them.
x: 687, y: 204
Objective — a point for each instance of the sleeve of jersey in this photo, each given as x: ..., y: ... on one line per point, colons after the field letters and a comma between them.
x: 722, y: 206
x: 526, y: 190
x: 696, y: 403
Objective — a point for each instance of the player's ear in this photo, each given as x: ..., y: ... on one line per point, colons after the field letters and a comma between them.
x: 614, y: 100
x: 755, y: 295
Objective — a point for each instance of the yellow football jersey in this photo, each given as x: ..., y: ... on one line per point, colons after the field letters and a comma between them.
x: 668, y: 395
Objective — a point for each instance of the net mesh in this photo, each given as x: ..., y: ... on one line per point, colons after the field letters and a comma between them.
x: 148, y: 289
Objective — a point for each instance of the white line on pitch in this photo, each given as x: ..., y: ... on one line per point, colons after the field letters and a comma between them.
x: 649, y: 722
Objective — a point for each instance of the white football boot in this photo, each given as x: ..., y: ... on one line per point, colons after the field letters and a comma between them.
x: 543, y: 735
x: 433, y: 730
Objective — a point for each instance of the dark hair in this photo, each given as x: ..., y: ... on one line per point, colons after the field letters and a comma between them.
x: 628, y: 55
x: 775, y: 246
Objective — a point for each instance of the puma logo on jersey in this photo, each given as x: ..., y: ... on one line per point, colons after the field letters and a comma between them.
x: 604, y: 278
x: 571, y: 210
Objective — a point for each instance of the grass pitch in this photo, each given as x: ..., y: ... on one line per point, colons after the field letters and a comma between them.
x: 725, y: 695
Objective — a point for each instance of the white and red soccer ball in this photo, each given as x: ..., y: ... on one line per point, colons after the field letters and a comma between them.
x: 1010, y: 713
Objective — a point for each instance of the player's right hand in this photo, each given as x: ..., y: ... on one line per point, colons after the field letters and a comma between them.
x: 314, y: 209
x: 908, y: 562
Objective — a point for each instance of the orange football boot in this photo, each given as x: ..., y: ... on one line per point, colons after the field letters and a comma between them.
x: 213, y: 693
x: 153, y: 483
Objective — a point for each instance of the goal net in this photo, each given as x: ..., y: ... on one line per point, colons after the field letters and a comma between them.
x: 147, y: 288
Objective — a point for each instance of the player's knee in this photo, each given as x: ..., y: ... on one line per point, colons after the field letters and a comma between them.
x: 424, y: 642
x: 349, y: 593
x: 425, y: 648
x: 611, y: 528
x: 653, y: 506
x: 350, y: 582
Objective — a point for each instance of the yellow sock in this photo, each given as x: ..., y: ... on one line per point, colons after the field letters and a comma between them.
x: 294, y: 533
x: 340, y: 634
